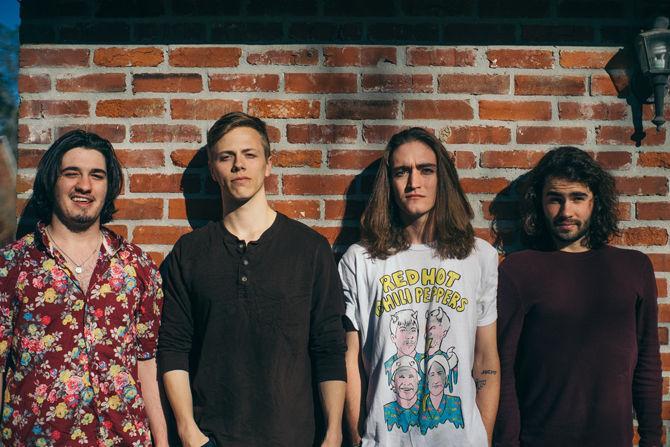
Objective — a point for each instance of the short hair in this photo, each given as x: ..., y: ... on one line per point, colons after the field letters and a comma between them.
x: 438, y: 314
x: 48, y: 171
x: 382, y: 230
x: 575, y: 165
x: 233, y: 120
x: 405, y: 318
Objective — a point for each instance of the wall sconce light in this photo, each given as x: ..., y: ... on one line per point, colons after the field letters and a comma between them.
x: 653, y: 50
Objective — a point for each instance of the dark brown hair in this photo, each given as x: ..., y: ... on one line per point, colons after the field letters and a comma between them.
x: 575, y: 165
x: 382, y: 230
x: 233, y: 120
x: 48, y: 171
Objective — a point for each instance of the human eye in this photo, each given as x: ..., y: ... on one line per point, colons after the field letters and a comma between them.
x: 400, y: 172
x: 428, y: 170
x: 224, y: 157
x: 69, y: 174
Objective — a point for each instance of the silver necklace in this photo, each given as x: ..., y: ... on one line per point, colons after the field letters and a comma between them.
x: 78, y: 268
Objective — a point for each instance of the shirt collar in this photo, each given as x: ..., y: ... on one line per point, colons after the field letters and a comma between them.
x: 111, y: 241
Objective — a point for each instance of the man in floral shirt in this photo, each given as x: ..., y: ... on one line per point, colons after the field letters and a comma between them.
x: 79, y: 313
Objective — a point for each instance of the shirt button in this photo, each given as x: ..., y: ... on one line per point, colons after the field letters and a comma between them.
x: 241, y: 246
x: 243, y: 279
x: 245, y: 261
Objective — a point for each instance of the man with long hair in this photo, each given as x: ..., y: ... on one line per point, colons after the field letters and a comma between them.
x: 418, y: 257
x: 79, y: 312
x: 577, y: 318
x: 253, y: 312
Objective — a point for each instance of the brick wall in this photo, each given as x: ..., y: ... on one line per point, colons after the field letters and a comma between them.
x: 7, y: 192
x: 331, y: 109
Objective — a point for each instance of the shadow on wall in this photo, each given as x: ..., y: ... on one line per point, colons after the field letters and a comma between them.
x: 506, y: 225
x: 7, y: 193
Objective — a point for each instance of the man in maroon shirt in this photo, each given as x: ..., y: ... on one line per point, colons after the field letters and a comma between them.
x: 577, y: 319
x: 79, y: 313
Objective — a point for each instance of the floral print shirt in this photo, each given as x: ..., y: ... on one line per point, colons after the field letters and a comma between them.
x: 71, y: 355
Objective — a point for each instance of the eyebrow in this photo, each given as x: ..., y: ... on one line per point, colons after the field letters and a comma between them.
x: 551, y: 192
x: 419, y: 166
x: 76, y: 168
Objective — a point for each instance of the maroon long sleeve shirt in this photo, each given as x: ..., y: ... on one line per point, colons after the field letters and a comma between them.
x: 579, y: 349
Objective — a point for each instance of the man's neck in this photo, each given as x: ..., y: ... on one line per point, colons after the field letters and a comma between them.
x: 572, y: 247
x: 418, y: 231
x: 407, y: 403
x: 67, y: 238
x: 249, y: 220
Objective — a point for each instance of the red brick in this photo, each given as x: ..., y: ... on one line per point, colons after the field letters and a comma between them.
x: 354, y: 109
x: 570, y: 110
x: 203, y: 109
x: 158, y: 235
x: 164, y: 183
x: 649, y: 112
x: 243, y: 83
x: 442, y: 57
x: 660, y: 261
x: 549, y: 85
x: 298, y: 209
x: 340, y: 235
x: 585, y: 59
x: 51, y: 57
x: 185, y: 157
x: 514, y: 110
x: 164, y: 133
x: 642, y: 186
x: 465, y: 160
x: 274, y: 134
x: 508, y: 58
x: 320, y: 82
x: 128, y: 57
x: 115, y: 133
x: 623, y: 136
x: 278, y: 108
x: 652, y: 211
x: 437, y: 109
x: 130, y: 108
x: 662, y: 287
x: 664, y: 313
x: 316, y: 184
x: 477, y: 135
x: 141, y: 158
x: 156, y: 256
x: 29, y: 158
x: 624, y: 210
x: 34, y: 134
x: 205, y: 56
x: 380, y: 133
x: 341, y: 209
x: 613, y: 159
x: 52, y: 108
x: 307, y: 56
x: 296, y: 158
x: 359, y: 57
x: 642, y: 236
x: 484, y: 185
x: 138, y: 209
x: 609, y: 85
x: 197, y: 209
x: 665, y: 364
x: 272, y: 184
x: 474, y: 84
x: 550, y: 135
x: 161, y: 82
x: 98, y: 82
x: 121, y: 230
x: 510, y: 159
x: 321, y: 134
x: 397, y: 83
x: 34, y: 83
x: 654, y: 160
x: 24, y: 183
x: 352, y: 159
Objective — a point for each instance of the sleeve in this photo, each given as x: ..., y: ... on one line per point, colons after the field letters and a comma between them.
x: 149, y: 318
x: 176, y: 332
x: 510, y: 322
x: 647, y: 381
x: 487, y: 312
x: 347, y: 269
x: 326, y: 337
x: 8, y: 279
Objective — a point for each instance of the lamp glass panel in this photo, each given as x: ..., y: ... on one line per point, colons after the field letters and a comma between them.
x: 658, y: 53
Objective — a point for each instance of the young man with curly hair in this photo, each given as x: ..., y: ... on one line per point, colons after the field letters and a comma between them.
x: 577, y: 325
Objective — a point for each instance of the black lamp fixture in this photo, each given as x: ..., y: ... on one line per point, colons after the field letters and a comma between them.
x: 653, y: 50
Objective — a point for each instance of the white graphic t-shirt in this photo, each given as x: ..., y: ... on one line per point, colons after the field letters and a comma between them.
x: 417, y: 316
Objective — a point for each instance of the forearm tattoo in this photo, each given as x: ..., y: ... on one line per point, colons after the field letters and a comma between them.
x: 480, y: 382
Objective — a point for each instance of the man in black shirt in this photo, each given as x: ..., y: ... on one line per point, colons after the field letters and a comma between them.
x: 252, y: 313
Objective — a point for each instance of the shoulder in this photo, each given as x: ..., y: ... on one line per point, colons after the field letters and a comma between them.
x: 483, y: 248
x: 11, y: 253
x: 292, y: 228
x: 626, y: 256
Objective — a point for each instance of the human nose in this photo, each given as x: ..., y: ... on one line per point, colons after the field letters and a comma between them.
x: 238, y: 164
x: 83, y: 183
x: 412, y: 180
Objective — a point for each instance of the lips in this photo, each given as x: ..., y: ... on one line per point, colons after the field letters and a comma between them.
x: 81, y: 199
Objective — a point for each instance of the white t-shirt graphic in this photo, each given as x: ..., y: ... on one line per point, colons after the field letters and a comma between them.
x: 417, y: 315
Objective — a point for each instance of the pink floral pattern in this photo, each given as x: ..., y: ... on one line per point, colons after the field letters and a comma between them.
x: 71, y: 355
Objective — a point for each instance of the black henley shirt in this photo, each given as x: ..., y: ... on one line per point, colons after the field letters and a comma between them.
x: 254, y: 325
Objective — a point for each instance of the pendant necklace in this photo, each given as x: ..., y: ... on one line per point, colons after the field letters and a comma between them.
x: 78, y: 268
